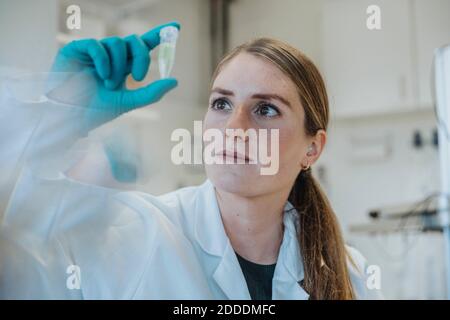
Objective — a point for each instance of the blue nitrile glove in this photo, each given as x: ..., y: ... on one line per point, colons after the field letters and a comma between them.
x: 94, y: 74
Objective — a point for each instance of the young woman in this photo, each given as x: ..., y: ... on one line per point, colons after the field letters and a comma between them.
x: 239, y: 235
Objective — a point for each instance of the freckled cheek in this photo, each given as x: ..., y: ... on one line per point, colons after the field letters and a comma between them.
x: 213, y: 120
x: 290, y: 146
x: 288, y: 141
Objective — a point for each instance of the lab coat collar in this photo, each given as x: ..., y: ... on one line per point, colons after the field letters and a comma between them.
x: 208, y: 227
x: 211, y: 235
x: 289, y: 272
x: 229, y: 276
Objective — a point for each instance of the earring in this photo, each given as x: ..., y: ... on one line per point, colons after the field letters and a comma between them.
x: 306, y: 168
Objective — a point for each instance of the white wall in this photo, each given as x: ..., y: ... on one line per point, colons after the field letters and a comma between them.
x: 295, y: 21
x: 28, y: 33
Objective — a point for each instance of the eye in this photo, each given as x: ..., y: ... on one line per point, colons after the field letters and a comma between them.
x: 221, y: 104
x: 267, y: 110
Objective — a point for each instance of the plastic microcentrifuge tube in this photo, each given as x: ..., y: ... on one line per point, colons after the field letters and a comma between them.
x: 166, y: 56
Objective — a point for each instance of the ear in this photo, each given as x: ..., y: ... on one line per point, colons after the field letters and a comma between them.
x: 314, y: 148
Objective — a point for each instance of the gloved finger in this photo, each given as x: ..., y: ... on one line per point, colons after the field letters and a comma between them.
x: 117, y: 52
x: 151, y: 38
x: 132, y: 99
x: 89, y: 51
x: 138, y: 57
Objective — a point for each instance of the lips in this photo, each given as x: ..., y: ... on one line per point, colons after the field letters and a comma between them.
x: 233, y: 154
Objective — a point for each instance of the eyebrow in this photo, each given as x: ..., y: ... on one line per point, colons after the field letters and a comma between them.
x: 265, y: 96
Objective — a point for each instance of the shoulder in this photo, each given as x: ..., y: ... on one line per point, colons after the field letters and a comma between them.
x: 363, y: 276
x: 177, y: 207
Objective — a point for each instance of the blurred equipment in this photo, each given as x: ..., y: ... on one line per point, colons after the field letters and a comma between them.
x: 421, y: 216
x: 442, y: 87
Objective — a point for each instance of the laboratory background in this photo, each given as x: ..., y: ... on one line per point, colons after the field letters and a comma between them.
x: 381, y: 169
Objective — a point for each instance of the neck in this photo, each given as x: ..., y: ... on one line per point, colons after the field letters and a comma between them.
x: 254, y: 225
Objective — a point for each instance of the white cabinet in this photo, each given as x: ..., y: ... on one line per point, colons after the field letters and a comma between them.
x: 433, y: 30
x: 367, y: 71
x: 381, y: 71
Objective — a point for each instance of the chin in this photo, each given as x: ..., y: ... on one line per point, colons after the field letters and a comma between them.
x: 242, y: 179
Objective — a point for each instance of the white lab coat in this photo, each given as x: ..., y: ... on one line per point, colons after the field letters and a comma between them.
x: 128, y: 245
x: 132, y: 245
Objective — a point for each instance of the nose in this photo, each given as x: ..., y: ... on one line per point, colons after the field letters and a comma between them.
x: 239, y: 119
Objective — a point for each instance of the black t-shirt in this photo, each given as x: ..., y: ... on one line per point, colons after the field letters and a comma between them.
x: 258, y: 278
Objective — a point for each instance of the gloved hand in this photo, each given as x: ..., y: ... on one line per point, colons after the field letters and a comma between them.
x: 94, y: 72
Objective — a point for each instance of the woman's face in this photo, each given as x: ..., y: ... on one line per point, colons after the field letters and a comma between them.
x: 251, y: 93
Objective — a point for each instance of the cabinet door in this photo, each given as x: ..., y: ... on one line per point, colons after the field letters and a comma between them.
x: 367, y: 71
x: 433, y: 30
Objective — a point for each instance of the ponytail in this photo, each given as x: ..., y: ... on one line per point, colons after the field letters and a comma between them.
x: 321, y: 242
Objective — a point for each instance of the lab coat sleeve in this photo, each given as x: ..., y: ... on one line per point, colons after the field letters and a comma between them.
x: 63, y: 239
x: 365, y: 278
x: 36, y: 136
x: 38, y: 133
x: 35, y: 196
